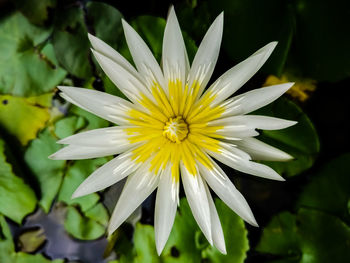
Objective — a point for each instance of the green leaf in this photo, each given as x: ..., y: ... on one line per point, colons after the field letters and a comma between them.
x: 235, y: 234
x: 23, y: 117
x: 35, y: 10
x: 106, y: 22
x: 30, y: 240
x: 308, y: 237
x: 17, y: 199
x: 38, y: 258
x: 48, y: 172
x: 93, y: 121
x: 24, y: 69
x: 86, y: 218
x: 70, y: 39
x: 186, y: 242
x: 323, y: 44
x: 329, y: 189
x: 144, y: 244
x: 301, y: 140
x: 71, y: 43
x: 183, y: 237
x: 250, y: 24
x: 68, y: 126
x: 74, y: 176
x: 82, y: 227
x: 7, y: 249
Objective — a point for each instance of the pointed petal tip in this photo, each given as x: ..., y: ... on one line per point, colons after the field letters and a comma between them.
x: 159, y: 248
x: 220, y: 18
x: 125, y: 24
x: 77, y: 193
x: 55, y: 157
x: 91, y: 37
x: 171, y: 9
x: 62, y: 141
x: 222, y: 250
x: 280, y: 178
x: 272, y: 44
x: 254, y: 223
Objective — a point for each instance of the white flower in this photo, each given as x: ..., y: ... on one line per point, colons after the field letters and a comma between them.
x: 171, y: 127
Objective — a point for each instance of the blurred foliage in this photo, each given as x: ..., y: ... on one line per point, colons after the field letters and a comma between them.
x: 303, y: 148
x: 17, y: 199
x: 48, y: 173
x: 308, y: 236
x: 27, y: 63
x: 24, y: 117
x: 186, y: 242
x: 328, y: 190
x: 44, y: 43
x: 7, y: 248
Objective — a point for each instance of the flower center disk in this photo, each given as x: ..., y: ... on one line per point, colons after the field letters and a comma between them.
x: 175, y: 129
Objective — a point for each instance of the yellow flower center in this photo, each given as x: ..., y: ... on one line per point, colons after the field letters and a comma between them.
x: 175, y: 129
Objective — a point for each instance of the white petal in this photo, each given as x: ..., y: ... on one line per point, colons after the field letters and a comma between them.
x: 216, y: 229
x: 237, y: 76
x: 165, y: 210
x: 254, y: 99
x: 225, y: 189
x: 246, y: 123
x: 174, y: 55
x: 198, y: 201
x: 143, y: 58
x: 99, y: 137
x: 239, y: 160
x: 78, y: 152
x: 259, y: 150
x: 111, y: 53
x: 137, y: 188
x: 130, y: 85
x: 106, y: 106
x: 107, y: 175
x: 205, y: 59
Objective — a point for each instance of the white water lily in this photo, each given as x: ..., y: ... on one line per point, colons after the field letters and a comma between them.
x: 172, y: 128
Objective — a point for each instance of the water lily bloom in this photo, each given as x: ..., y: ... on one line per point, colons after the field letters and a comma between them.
x: 171, y: 127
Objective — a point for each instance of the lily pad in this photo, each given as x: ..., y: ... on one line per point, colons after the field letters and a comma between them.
x: 187, y: 243
x: 7, y: 248
x: 74, y: 176
x: 250, y: 24
x: 82, y: 227
x: 68, y: 126
x: 25, y: 70
x: 310, y: 236
x: 37, y: 11
x: 301, y: 140
x: 48, y: 172
x: 70, y: 39
x: 86, y: 218
x: 17, y: 199
x: 236, y: 237
x: 329, y: 189
x: 23, y: 117
x: 93, y: 121
x: 321, y: 27
x: 106, y: 22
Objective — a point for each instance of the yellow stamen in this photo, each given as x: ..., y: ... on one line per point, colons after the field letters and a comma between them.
x: 176, y: 129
